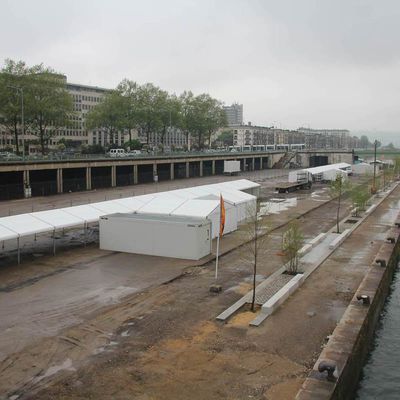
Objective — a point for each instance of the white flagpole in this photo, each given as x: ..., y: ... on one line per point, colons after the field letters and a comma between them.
x: 216, y: 260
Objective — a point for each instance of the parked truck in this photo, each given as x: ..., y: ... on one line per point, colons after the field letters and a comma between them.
x: 304, y: 181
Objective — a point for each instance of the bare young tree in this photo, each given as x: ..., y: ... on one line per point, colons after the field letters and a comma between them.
x: 254, y: 234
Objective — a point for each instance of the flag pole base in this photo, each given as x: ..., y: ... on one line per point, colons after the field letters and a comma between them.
x: 215, y: 288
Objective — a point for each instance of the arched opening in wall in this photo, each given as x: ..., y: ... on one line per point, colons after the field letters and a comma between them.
x: 164, y: 172
x: 207, y: 168
x: 219, y: 167
x: 145, y: 173
x: 317, y: 161
x: 74, y: 179
x: 43, y: 182
x: 180, y: 170
x: 101, y: 177
x: 264, y: 163
x: 124, y: 175
x: 194, y: 169
x: 11, y: 185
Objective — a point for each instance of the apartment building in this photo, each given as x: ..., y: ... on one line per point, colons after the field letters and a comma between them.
x: 234, y: 114
x: 249, y: 135
x: 174, y: 138
x: 326, y: 138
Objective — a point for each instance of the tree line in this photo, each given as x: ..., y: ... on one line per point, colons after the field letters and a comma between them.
x: 48, y: 108
x: 46, y: 102
x: 150, y: 109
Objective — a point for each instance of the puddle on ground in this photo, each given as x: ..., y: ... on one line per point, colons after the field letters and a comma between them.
x: 65, y: 366
x: 276, y: 206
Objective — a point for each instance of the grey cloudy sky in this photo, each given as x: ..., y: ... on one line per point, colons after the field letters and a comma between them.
x: 317, y: 63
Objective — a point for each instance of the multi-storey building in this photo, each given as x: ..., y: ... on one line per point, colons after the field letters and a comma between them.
x: 249, y: 135
x: 234, y: 114
x: 326, y: 138
x: 174, y: 138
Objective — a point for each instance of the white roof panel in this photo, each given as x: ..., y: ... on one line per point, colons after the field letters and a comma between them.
x: 240, y: 184
x: 231, y: 196
x: 161, y: 205
x: 6, y: 234
x: 58, y: 218
x: 197, y: 208
x: 25, y: 224
x: 323, y: 168
x: 133, y: 203
x: 85, y: 212
x: 111, y: 207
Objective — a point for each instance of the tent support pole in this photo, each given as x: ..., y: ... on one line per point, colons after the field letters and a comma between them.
x: 18, y: 252
x: 54, y: 242
x: 85, y: 233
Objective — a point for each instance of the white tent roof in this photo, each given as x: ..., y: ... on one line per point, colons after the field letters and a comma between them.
x: 240, y: 184
x: 85, y: 212
x: 133, y: 203
x: 198, y: 208
x: 111, y: 207
x: 233, y: 197
x: 25, y: 224
x: 178, y: 202
x: 6, y: 234
x: 162, y: 205
x: 58, y: 218
x: 324, y: 168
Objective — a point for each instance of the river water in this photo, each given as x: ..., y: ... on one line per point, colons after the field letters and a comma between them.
x: 381, y: 374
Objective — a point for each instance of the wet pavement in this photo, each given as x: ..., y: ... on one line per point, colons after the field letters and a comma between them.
x: 66, y: 298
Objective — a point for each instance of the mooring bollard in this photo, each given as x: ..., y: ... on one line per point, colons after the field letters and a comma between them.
x: 381, y: 262
x: 364, y: 298
x: 329, y: 367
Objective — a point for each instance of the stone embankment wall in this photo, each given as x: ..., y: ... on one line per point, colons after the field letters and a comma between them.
x: 349, y: 344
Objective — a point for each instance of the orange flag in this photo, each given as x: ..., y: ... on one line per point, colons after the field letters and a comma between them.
x: 222, y: 216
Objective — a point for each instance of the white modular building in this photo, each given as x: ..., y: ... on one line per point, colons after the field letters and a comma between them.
x: 362, y: 169
x: 157, y: 235
x: 321, y: 173
x: 209, y: 209
x: 332, y: 174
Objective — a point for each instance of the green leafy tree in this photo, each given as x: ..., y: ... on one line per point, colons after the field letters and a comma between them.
x: 186, y: 113
x: 169, y: 115
x: 133, y: 144
x: 50, y: 104
x: 109, y: 115
x: 226, y: 138
x: 130, y: 104
x: 364, y: 142
x: 337, y: 188
x: 13, y: 75
x: 292, y: 241
x: 359, y: 196
x: 151, y: 99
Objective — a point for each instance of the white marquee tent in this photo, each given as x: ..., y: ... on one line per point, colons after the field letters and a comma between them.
x: 198, y: 201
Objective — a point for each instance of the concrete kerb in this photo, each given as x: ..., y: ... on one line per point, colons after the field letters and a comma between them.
x: 284, y: 292
x: 340, y: 239
x: 277, y: 299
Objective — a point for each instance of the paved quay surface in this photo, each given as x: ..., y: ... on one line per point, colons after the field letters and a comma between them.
x: 161, y: 340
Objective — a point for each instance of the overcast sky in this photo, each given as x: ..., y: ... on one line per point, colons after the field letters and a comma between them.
x: 317, y: 63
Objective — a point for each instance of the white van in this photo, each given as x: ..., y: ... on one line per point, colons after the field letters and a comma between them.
x: 117, y: 153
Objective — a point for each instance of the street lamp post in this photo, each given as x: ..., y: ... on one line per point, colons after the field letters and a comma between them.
x: 21, y: 91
